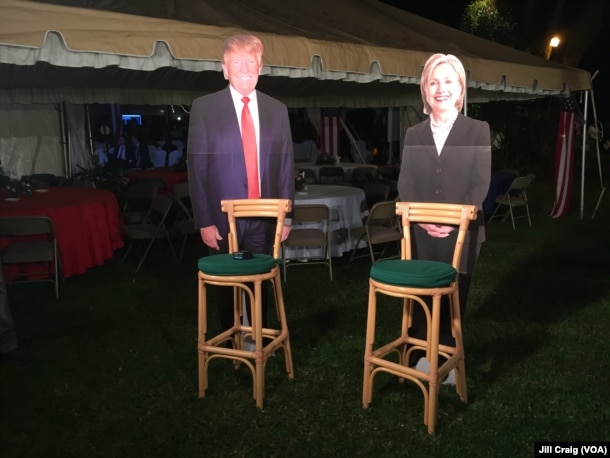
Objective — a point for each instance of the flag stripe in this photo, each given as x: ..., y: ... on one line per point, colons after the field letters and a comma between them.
x: 330, y: 130
x: 564, y: 164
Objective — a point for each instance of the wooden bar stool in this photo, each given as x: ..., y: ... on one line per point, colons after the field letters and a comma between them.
x: 411, y: 280
x: 245, y: 277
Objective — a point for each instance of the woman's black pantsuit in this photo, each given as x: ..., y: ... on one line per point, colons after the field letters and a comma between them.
x: 460, y: 174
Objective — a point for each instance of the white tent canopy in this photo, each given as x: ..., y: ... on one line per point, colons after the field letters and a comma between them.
x: 352, y: 53
x: 315, y: 52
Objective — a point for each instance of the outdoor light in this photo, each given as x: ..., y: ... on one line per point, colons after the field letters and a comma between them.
x: 552, y: 44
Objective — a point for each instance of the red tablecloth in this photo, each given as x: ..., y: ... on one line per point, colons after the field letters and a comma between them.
x: 87, y: 224
x: 167, y: 174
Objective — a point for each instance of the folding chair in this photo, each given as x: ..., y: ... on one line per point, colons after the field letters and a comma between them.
x: 138, y: 197
x: 375, y: 192
x: 388, y: 172
x: 309, y: 238
x: 32, y: 240
x: 363, y: 175
x: 379, y: 228
x: 183, y: 193
x: 514, y: 197
x: 184, y: 224
x: 330, y: 174
x: 151, y: 228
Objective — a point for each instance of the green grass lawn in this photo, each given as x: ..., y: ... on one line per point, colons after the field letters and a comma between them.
x: 114, y: 370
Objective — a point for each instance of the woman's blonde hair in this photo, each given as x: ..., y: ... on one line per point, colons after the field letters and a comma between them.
x: 434, y: 61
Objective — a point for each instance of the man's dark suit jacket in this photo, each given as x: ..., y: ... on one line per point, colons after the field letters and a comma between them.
x: 216, y: 165
x: 129, y: 159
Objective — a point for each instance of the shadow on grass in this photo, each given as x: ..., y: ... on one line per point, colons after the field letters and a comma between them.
x: 115, y: 361
x: 543, y: 276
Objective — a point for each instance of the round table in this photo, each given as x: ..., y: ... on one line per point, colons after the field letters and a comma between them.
x: 87, y: 223
x: 347, y: 209
x: 348, y: 168
x: 167, y: 174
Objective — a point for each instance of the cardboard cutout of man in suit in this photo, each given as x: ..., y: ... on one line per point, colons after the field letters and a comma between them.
x: 216, y: 160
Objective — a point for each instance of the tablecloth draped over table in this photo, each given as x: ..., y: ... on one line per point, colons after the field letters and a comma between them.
x: 170, y: 176
x: 347, y: 209
x: 348, y: 168
x: 87, y: 224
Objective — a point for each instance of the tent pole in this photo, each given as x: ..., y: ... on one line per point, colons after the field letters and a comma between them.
x: 68, y: 143
x: 352, y: 138
x: 61, y: 108
x: 89, y: 132
x: 599, y: 162
x: 599, y: 201
x: 402, y: 123
x: 388, y: 134
x: 582, y: 164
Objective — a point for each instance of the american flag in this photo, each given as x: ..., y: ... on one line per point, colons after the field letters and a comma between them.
x: 564, y: 157
x: 331, y: 128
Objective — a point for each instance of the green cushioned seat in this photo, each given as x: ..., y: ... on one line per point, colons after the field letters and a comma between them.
x: 415, y: 273
x: 224, y: 264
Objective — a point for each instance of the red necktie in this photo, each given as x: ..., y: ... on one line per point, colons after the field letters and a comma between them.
x: 248, y: 138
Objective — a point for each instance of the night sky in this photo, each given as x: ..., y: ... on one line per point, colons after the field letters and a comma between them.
x: 538, y: 19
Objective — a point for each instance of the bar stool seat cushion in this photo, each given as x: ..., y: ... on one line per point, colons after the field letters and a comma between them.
x: 416, y: 273
x: 224, y: 264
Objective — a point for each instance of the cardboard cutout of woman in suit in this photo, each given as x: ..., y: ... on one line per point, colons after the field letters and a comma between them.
x: 446, y: 158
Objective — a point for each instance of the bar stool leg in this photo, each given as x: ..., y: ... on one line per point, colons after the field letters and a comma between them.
x: 202, y: 330
x: 281, y: 313
x: 460, y: 369
x: 367, y: 392
x: 434, y: 381
x: 257, y: 330
x: 404, y: 354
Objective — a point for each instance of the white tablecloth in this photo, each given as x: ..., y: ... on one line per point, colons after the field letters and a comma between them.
x: 348, y: 168
x: 157, y: 156
x: 346, y: 212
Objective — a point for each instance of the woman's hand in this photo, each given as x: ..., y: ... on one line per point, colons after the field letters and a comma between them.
x: 437, y: 230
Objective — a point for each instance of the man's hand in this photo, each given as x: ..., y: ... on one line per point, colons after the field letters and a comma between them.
x: 285, y: 232
x: 210, y: 236
x: 436, y: 230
